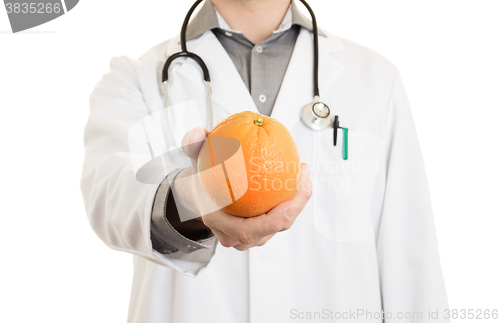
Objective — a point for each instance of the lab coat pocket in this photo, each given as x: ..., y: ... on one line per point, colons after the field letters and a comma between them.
x: 344, y: 191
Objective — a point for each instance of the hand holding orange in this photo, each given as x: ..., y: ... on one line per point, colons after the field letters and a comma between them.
x: 271, y: 160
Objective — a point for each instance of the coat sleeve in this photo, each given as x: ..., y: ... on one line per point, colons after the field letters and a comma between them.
x: 118, y: 206
x: 409, y: 266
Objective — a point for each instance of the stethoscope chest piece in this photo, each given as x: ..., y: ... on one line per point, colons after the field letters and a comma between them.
x: 317, y: 116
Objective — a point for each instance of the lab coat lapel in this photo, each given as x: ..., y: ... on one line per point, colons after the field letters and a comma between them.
x: 297, y: 87
x: 229, y: 92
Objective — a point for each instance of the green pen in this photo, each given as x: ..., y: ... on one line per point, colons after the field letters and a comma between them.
x: 345, y: 145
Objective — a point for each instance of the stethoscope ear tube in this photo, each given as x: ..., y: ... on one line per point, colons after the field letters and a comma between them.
x: 164, y: 74
x: 316, y: 50
x: 185, y: 24
x: 184, y: 52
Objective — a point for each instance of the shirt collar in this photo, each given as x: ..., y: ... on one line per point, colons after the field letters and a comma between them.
x: 209, y: 18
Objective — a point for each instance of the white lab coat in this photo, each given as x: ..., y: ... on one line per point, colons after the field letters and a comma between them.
x: 364, y: 242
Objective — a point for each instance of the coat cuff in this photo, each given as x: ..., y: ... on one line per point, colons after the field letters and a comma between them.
x: 164, y: 237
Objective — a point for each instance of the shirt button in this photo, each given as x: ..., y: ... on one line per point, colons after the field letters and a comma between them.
x: 259, y: 49
x: 228, y: 34
x: 262, y: 98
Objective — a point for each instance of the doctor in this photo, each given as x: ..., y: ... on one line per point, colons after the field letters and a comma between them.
x: 361, y: 248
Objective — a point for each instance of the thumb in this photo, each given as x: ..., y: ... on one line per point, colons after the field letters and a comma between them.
x: 192, y: 142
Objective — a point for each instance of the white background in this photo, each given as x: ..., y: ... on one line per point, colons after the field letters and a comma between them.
x: 55, y: 269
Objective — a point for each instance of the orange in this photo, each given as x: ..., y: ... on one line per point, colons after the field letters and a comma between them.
x: 257, y: 169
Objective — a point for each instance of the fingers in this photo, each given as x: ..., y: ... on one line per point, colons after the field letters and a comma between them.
x: 282, y: 216
x: 264, y: 240
x: 192, y: 142
x: 260, y: 243
x: 225, y: 223
x: 228, y: 242
x: 304, y: 191
x: 244, y: 233
x: 224, y: 239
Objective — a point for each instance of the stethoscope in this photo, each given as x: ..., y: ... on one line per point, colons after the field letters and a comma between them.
x: 315, y: 115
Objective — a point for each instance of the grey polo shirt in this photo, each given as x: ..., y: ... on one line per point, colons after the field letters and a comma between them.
x: 262, y: 67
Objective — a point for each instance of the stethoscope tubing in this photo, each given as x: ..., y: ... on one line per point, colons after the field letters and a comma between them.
x: 206, y: 75
x: 316, y: 49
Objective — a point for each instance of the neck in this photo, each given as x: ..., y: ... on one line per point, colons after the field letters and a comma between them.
x: 257, y: 19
